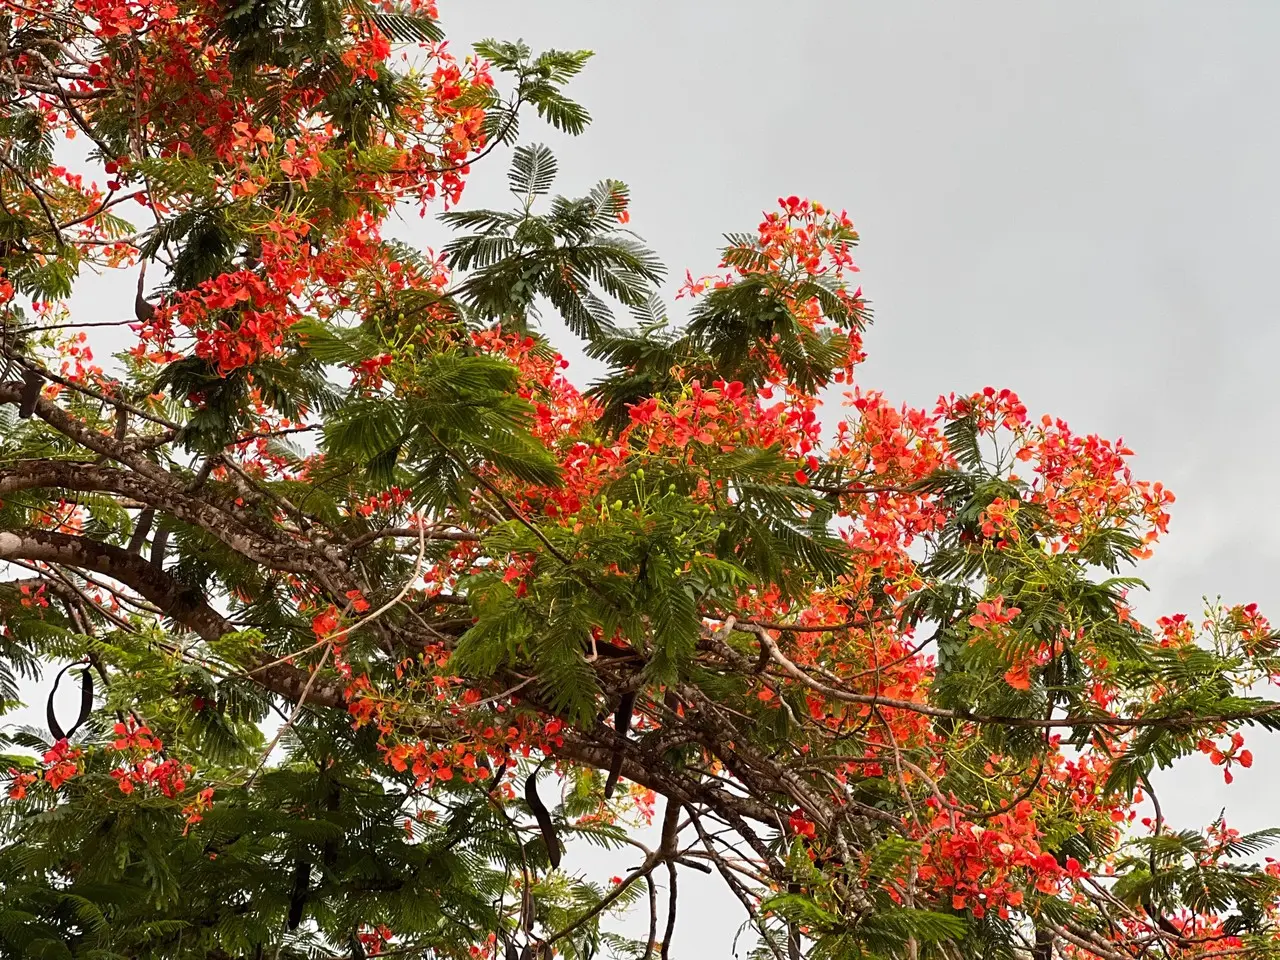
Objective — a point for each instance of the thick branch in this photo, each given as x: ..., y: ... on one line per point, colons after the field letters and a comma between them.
x: 163, y: 492
x: 179, y: 601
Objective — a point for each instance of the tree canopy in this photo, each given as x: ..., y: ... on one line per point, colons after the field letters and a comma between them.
x: 376, y: 617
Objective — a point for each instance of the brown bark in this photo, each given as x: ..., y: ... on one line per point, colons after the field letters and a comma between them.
x: 182, y: 603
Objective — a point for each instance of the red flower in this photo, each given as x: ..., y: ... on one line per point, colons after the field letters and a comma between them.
x: 1019, y: 677
x: 802, y: 825
x: 62, y: 764
x: 993, y: 611
x: 20, y: 782
x: 326, y: 623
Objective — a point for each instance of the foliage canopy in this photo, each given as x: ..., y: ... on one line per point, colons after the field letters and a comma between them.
x: 351, y: 577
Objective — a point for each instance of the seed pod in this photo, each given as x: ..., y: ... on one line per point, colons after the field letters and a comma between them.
x: 1043, y: 949
x: 793, y: 931
x: 543, y: 816
x: 329, y: 852
x: 527, y: 907
x: 621, y: 726
x: 298, y: 899
x: 86, y: 700
x: 55, y: 728
x: 159, y: 544
x: 32, y: 381
x: 498, y: 773
x: 143, y: 310
x: 141, y: 529
x: 86, y: 704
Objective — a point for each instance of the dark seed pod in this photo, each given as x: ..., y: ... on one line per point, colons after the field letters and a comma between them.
x: 1043, y: 949
x: 543, y: 816
x: 143, y: 310
x: 51, y: 718
x: 621, y: 726
x: 329, y: 852
x: 32, y: 381
x: 511, y: 952
x: 86, y: 699
x: 498, y: 773
x: 526, y: 908
x: 793, y: 931
x: 298, y: 899
x: 159, y: 545
x: 86, y: 704
x: 141, y: 529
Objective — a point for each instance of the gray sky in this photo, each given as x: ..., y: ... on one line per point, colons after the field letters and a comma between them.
x: 1077, y: 201
x: 1074, y: 200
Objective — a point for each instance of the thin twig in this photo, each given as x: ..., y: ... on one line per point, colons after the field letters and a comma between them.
x: 293, y: 716
x: 365, y: 621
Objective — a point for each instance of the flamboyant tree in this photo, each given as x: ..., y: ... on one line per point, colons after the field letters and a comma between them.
x: 372, y: 611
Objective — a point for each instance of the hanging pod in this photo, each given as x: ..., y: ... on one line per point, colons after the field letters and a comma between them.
x: 621, y: 727
x: 543, y: 816
x: 32, y: 381
x: 86, y: 704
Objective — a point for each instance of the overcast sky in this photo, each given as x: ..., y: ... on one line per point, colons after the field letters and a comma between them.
x: 1076, y: 200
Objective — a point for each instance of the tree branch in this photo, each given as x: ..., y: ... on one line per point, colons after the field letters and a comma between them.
x: 183, y: 603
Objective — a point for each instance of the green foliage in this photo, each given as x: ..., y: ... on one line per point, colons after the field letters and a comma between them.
x: 564, y: 256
